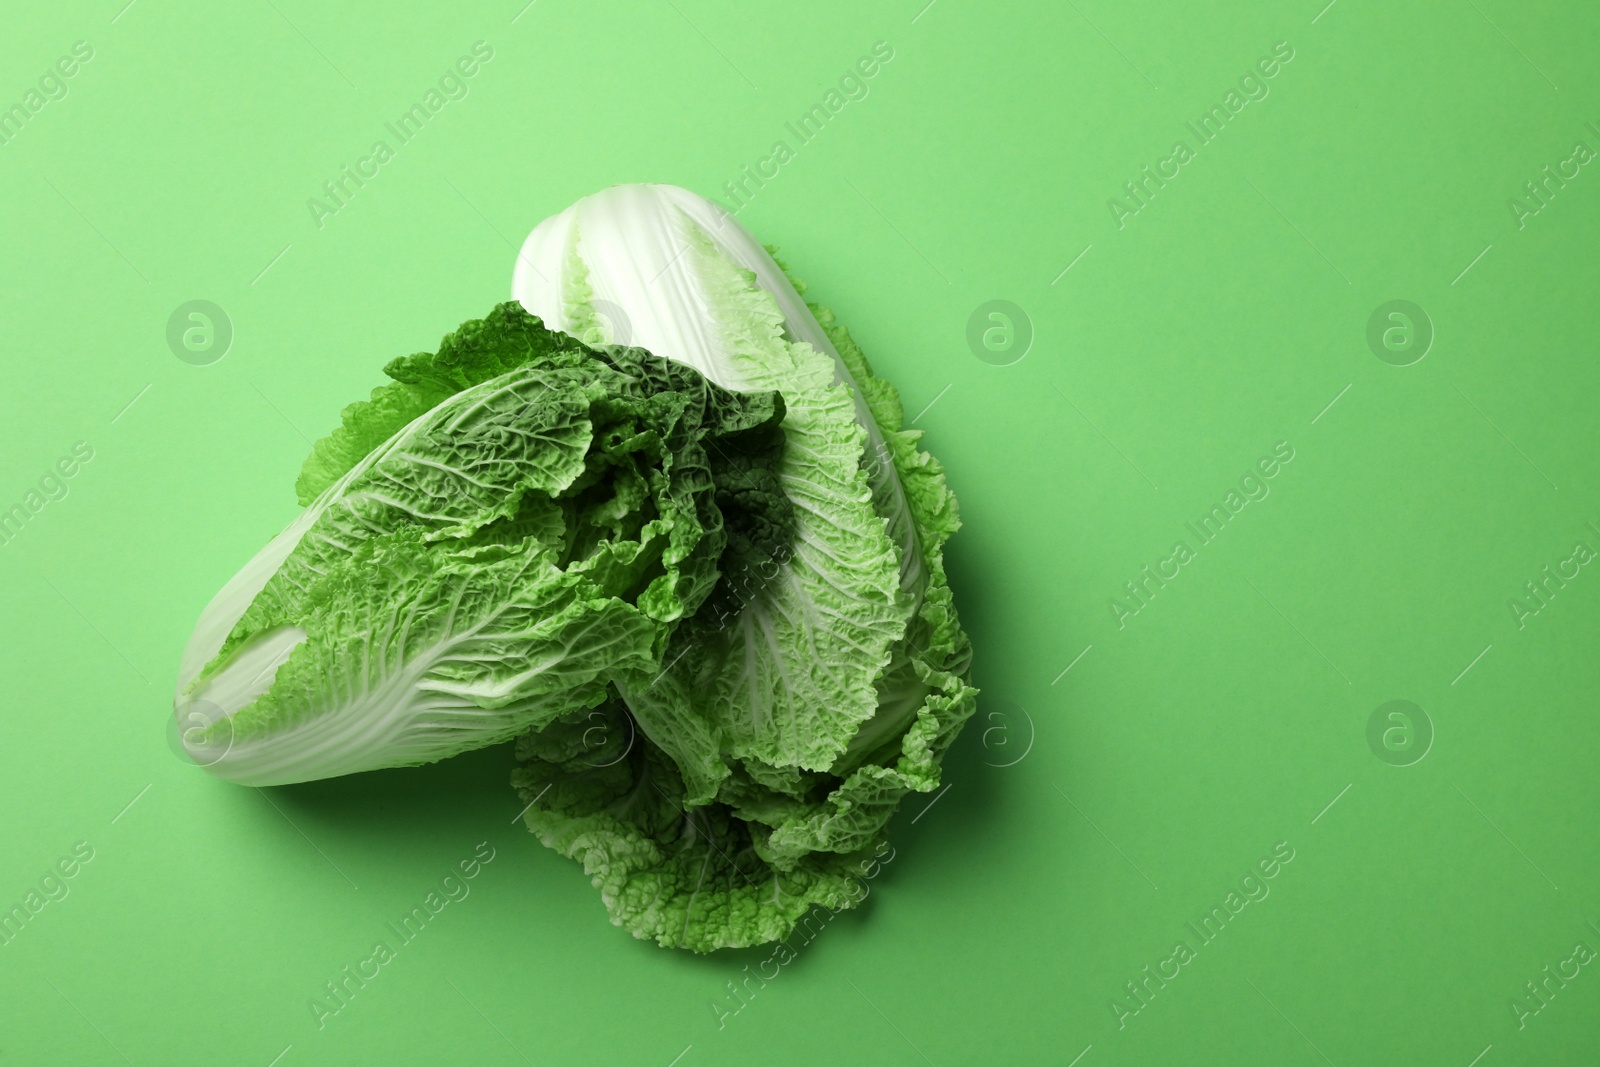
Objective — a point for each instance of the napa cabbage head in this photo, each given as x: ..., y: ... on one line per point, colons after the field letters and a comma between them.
x: 489, y: 543
x: 717, y: 799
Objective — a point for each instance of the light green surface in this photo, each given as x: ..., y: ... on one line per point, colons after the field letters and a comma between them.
x: 1177, y: 752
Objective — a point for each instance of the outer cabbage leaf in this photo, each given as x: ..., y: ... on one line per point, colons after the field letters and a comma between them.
x: 478, y: 350
x: 685, y: 876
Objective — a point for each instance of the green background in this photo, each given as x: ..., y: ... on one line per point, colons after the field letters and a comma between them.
x: 1091, y: 814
